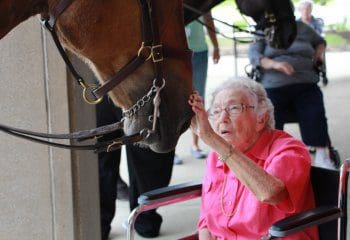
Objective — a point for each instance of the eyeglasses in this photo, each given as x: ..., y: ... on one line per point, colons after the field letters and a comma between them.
x: 232, y: 110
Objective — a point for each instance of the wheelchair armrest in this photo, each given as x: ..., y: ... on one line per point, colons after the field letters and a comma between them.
x: 172, y: 194
x: 304, y: 220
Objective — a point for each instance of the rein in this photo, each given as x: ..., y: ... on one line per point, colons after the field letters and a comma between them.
x: 269, y: 19
x: 151, y: 49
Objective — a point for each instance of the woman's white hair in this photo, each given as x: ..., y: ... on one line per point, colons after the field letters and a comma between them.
x: 258, y: 95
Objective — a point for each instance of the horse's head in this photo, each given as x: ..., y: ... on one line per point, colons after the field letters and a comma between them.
x: 109, y: 36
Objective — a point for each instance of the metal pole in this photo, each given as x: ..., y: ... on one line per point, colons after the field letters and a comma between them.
x: 235, y: 54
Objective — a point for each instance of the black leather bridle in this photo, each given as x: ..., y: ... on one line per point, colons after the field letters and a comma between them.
x: 151, y: 49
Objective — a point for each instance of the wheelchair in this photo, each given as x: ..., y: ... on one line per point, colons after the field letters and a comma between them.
x: 330, y: 215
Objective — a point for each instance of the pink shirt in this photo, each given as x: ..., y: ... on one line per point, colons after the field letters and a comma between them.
x: 280, y: 155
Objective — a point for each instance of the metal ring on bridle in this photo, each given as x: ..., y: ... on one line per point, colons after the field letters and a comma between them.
x: 145, y: 51
x: 88, y: 88
x: 163, y: 84
x: 145, y: 133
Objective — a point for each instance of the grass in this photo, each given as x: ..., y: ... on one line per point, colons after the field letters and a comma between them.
x: 334, y: 39
x: 227, y: 3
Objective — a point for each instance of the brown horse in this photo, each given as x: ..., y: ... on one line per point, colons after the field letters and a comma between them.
x: 107, y: 34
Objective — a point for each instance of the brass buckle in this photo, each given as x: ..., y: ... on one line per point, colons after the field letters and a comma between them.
x: 146, y: 51
x: 157, y: 56
x: 89, y: 88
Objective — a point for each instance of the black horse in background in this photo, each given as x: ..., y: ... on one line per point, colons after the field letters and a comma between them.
x: 273, y: 17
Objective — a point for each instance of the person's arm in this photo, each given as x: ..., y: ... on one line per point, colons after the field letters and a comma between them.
x: 319, y: 54
x: 318, y: 43
x: 284, y: 67
x: 257, y: 58
x: 256, y: 50
x: 212, y: 35
x: 264, y: 186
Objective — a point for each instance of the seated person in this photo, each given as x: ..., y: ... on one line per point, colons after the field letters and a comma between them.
x: 255, y: 175
x: 290, y: 80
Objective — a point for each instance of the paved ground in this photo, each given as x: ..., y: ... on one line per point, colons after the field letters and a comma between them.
x: 181, y: 218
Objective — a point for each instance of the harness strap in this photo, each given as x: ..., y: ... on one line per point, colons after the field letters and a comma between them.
x: 121, y: 75
x: 57, y: 10
x: 157, y: 47
x: 62, y: 52
x: 105, y: 146
x: 174, y: 53
x: 79, y: 135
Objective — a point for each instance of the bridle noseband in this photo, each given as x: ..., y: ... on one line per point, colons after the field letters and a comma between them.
x: 151, y: 49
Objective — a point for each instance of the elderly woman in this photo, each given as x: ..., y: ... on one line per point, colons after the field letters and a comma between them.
x: 255, y: 175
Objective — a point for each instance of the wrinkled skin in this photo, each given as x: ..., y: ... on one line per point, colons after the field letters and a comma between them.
x: 107, y: 34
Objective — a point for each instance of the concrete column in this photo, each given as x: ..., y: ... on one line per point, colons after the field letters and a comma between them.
x: 45, y: 193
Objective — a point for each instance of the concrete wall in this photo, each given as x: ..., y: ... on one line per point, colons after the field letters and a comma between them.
x: 45, y: 193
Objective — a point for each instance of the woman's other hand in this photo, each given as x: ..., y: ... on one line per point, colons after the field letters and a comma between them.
x: 319, y: 55
x: 284, y: 67
x: 216, y: 55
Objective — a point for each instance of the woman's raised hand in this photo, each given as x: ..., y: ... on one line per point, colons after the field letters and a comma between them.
x: 200, y: 124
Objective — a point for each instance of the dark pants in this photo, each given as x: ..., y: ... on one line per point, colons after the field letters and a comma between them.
x: 307, y: 102
x: 108, y: 163
x: 147, y: 171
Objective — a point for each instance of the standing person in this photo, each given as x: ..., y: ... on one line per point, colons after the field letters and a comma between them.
x: 255, y: 175
x: 290, y: 79
x: 196, y: 41
x: 305, y: 9
x: 112, y: 186
x: 148, y: 170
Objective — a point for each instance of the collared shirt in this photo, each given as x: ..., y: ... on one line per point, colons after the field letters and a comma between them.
x: 196, y: 36
x: 281, y: 156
